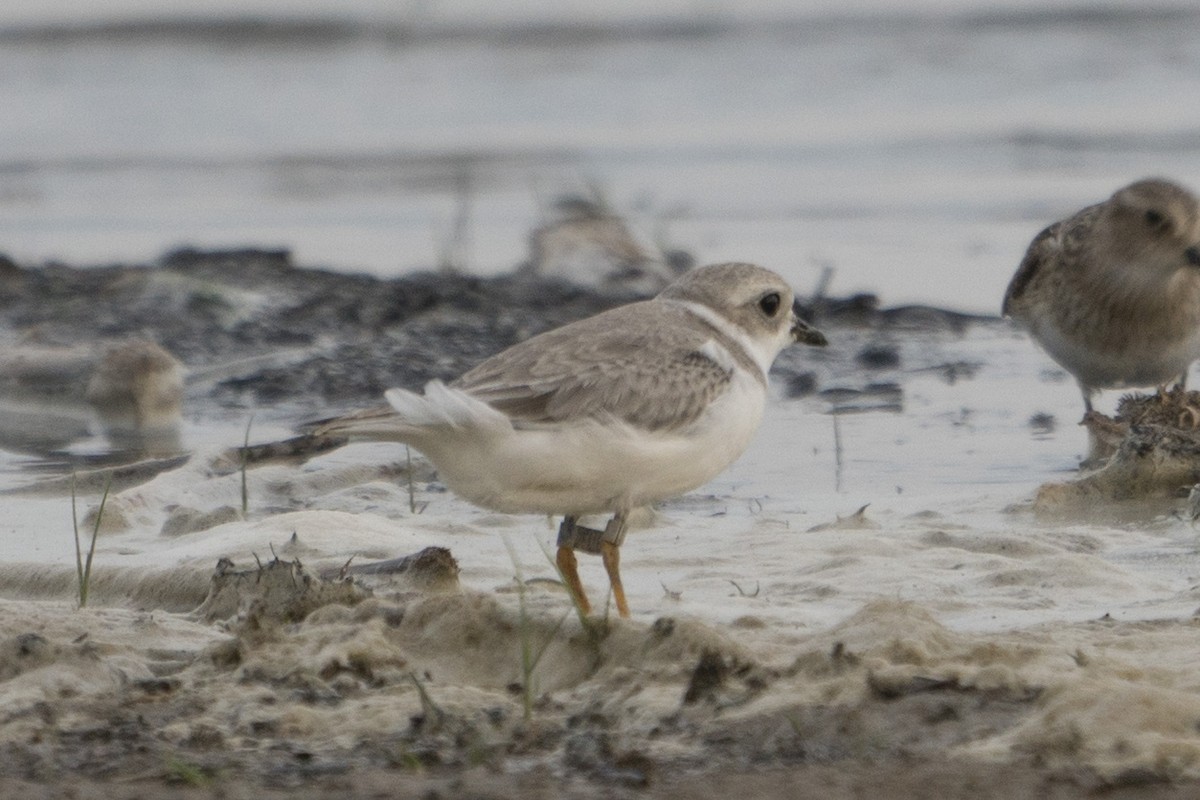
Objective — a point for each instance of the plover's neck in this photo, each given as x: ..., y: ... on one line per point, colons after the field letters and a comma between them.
x: 753, y: 356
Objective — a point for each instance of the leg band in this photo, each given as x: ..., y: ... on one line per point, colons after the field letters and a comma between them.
x: 589, y: 540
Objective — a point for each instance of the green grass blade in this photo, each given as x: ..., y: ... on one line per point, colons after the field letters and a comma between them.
x: 78, y: 547
x: 523, y: 627
x: 85, y: 578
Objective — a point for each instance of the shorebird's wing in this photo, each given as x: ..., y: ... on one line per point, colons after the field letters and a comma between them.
x: 1044, y: 247
x: 647, y: 364
x: 1059, y: 242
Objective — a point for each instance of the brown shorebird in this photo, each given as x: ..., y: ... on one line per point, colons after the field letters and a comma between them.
x: 1112, y: 293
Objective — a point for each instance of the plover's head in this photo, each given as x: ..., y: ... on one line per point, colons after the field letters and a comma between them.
x: 754, y: 301
x: 1154, y: 224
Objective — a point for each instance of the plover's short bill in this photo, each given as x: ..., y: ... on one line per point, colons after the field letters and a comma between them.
x: 634, y: 405
x: 1113, y: 293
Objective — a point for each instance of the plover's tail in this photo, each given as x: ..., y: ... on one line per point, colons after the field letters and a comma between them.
x: 443, y: 407
x: 411, y: 416
x: 378, y: 422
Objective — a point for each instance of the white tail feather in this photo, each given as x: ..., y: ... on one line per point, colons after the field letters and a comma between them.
x: 443, y: 407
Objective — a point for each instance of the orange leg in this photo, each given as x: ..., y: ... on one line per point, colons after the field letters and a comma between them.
x: 611, y: 554
x: 569, y: 567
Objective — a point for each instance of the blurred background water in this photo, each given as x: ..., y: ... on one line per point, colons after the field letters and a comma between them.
x: 915, y: 148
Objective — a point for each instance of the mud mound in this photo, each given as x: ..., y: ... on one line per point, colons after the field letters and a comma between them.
x: 1149, y: 451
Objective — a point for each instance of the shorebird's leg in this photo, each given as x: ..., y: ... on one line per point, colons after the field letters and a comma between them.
x: 568, y: 566
x: 605, y: 543
x: 1087, y: 399
x: 569, y: 535
x: 610, y: 552
x: 1098, y: 452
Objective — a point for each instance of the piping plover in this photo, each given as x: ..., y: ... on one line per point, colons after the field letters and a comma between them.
x: 1113, y: 293
x: 634, y: 405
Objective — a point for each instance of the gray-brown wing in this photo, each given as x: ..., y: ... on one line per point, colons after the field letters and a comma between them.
x: 1062, y: 239
x: 644, y: 364
x: 1044, y: 247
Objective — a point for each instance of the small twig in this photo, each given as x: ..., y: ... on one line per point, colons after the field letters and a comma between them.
x: 743, y: 592
x: 412, y: 492
x: 245, y: 451
x: 429, y: 708
x: 824, y: 280
x: 670, y: 593
x: 454, y: 257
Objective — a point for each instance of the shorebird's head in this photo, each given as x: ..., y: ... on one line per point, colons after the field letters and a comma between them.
x: 1155, y: 224
x: 136, y: 391
x: 754, y: 301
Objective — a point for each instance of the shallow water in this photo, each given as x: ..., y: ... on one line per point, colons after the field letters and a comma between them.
x: 952, y: 471
x: 915, y: 149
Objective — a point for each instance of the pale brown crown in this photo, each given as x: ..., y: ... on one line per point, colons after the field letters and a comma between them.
x: 753, y: 298
x: 1152, y: 223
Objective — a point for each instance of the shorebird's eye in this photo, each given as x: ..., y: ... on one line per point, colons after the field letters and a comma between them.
x: 770, y: 304
x: 1154, y: 218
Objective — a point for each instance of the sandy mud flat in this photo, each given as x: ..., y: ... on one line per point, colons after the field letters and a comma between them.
x: 872, y: 603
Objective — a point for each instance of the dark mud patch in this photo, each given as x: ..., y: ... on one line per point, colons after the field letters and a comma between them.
x: 254, y: 329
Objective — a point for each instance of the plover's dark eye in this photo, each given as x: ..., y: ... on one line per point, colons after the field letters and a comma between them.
x: 1154, y: 218
x: 770, y: 304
